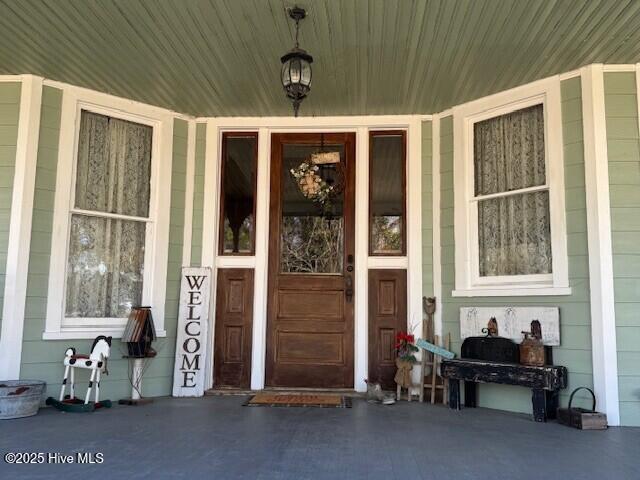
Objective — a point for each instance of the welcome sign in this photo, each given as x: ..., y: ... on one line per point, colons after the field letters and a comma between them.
x: 191, y: 338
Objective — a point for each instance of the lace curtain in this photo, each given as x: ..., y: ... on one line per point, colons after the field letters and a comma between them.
x: 106, y: 255
x: 514, y: 234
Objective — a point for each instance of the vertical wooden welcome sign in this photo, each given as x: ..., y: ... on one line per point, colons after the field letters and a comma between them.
x: 191, y: 338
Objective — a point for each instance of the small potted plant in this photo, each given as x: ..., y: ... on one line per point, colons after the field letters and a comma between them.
x: 405, y: 359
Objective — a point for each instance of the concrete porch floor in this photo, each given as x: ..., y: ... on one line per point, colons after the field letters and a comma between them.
x: 215, y: 437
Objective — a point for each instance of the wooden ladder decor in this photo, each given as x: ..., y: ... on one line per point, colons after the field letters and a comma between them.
x: 434, y: 380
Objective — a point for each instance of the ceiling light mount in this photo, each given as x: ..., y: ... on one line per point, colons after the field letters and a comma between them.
x: 296, y: 66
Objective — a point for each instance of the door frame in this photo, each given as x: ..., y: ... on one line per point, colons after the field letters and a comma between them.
x: 412, y: 261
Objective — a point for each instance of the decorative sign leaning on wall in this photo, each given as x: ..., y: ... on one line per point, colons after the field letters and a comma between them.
x: 512, y: 321
x: 193, y: 319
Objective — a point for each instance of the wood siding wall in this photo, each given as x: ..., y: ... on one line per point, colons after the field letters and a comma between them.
x: 9, y: 117
x: 427, y: 209
x: 198, y: 196
x: 623, y: 145
x: 575, y: 318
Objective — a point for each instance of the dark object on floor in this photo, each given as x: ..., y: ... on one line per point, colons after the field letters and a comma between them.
x: 265, y: 399
x: 545, y: 382
x: 580, y: 417
x: 139, y: 333
x: 76, y: 405
x: 135, y: 401
x: 492, y: 348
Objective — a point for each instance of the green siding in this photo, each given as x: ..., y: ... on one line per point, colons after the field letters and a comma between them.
x: 9, y: 117
x: 623, y: 144
x: 575, y: 323
x: 42, y: 359
x: 427, y: 209
x: 198, y: 195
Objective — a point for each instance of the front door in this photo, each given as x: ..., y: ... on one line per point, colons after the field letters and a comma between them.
x: 311, y: 261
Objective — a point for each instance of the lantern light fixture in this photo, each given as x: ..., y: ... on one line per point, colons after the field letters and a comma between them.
x: 296, y: 66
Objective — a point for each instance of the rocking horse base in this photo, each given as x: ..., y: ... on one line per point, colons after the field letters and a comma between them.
x: 76, y: 405
x: 135, y: 401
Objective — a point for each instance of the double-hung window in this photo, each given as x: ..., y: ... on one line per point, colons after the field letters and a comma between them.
x: 109, y: 218
x: 508, y: 181
x: 109, y: 243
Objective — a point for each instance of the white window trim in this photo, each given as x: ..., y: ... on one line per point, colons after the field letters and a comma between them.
x: 467, y: 278
x: 157, y: 233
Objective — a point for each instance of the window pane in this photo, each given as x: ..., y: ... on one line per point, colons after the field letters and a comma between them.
x: 239, y: 193
x: 312, y: 234
x: 105, y: 267
x: 509, y: 151
x: 387, y: 196
x: 514, y: 235
x: 114, y: 165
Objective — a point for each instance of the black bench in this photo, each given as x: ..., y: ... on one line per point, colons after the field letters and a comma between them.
x: 545, y: 382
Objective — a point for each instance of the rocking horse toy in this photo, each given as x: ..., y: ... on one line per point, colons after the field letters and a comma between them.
x: 96, y: 361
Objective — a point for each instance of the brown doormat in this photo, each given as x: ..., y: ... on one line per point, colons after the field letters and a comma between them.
x: 298, y: 400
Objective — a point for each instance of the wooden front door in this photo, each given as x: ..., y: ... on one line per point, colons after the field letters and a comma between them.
x: 234, y: 320
x: 311, y: 262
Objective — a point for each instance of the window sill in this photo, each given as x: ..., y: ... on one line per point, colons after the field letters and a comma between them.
x: 90, y: 334
x: 512, y: 292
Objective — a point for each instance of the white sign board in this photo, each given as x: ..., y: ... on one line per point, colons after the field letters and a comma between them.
x: 512, y: 321
x: 191, y: 338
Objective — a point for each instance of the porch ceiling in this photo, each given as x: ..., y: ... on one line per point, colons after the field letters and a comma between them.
x: 221, y: 57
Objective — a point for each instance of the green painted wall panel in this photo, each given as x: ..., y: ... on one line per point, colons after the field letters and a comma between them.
x: 198, y: 195
x: 575, y: 350
x: 623, y: 144
x: 427, y: 209
x: 43, y: 358
x: 9, y: 118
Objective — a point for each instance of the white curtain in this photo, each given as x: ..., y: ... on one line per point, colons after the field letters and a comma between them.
x: 514, y: 236
x: 106, y: 255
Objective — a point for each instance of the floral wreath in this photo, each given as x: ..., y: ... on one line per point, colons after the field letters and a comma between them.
x: 312, y: 185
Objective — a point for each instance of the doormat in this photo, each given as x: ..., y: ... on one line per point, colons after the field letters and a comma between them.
x: 298, y: 400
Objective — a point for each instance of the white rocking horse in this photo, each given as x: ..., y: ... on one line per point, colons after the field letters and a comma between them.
x: 96, y: 361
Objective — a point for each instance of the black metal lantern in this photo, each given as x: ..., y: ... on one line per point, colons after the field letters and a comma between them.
x: 296, y: 67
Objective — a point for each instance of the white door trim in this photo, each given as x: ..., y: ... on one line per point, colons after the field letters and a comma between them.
x: 603, y: 315
x: 361, y: 125
x: 19, y: 244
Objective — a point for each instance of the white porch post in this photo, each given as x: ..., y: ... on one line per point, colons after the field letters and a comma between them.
x: 603, y: 318
x: 17, y: 267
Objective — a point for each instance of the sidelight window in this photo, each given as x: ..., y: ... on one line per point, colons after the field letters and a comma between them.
x: 387, y: 196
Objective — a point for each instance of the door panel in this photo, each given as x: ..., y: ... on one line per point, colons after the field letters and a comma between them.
x: 387, y: 317
x: 311, y: 255
x: 234, y: 318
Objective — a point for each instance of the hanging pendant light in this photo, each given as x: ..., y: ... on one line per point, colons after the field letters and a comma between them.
x: 296, y: 67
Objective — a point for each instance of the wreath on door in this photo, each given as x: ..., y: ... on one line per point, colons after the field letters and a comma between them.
x: 311, y: 184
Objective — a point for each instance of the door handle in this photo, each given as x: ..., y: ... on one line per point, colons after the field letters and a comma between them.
x: 348, y: 291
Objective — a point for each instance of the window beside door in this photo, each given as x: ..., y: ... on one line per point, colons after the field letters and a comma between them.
x: 387, y: 195
x: 238, y: 206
